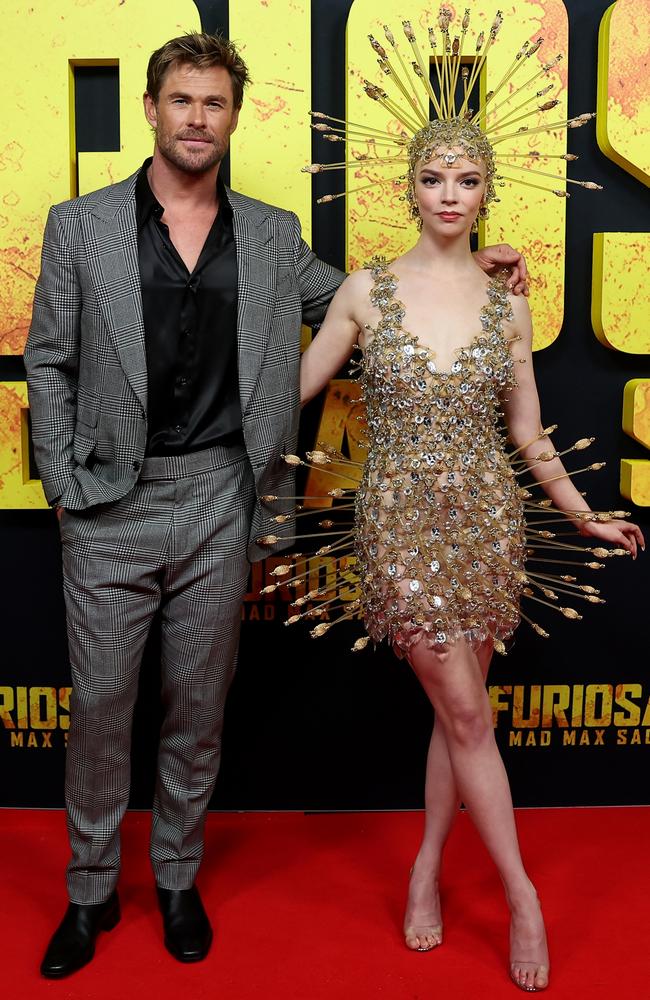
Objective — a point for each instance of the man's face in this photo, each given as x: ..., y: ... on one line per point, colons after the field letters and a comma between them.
x: 194, y: 116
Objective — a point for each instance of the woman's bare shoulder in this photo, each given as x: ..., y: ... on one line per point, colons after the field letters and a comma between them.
x: 361, y: 280
x: 356, y: 286
x: 520, y: 310
x: 519, y: 305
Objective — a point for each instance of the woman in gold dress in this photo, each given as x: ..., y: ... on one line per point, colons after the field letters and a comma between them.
x: 443, y: 553
x: 439, y: 521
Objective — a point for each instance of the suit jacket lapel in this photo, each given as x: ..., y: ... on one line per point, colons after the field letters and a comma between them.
x: 256, y: 269
x: 112, y: 246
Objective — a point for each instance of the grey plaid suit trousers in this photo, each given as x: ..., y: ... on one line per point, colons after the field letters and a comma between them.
x: 176, y: 541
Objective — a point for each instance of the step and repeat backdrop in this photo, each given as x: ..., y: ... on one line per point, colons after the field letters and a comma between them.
x: 310, y: 724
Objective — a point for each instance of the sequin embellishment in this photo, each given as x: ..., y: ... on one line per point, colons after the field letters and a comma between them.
x: 462, y: 578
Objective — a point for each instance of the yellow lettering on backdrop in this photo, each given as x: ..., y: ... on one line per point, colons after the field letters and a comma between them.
x: 620, y: 293
x: 38, y: 124
x: 519, y: 718
x: 340, y: 423
x: 42, y: 708
x: 620, y: 302
x: 17, y: 490
x: 496, y: 702
x: 532, y: 221
x: 64, y: 704
x: 631, y: 714
x: 555, y: 703
x: 598, y: 705
x: 636, y: 410
x: 635, y: 472
x: 7, y: 707
x: 273, y: 139
x: 624, y: 88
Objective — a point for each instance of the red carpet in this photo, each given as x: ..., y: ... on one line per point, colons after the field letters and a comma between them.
x: 310, y: 908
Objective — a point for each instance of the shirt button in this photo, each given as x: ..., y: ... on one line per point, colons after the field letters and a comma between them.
x: 178, y: 428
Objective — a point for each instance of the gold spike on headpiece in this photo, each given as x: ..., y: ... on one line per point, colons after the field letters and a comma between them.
x: 455, y: 131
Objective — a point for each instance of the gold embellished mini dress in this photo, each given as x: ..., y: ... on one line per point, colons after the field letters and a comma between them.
x: 447, y: 540
x: 439, y: 522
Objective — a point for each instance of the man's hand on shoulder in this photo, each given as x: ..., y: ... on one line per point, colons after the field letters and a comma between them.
x: 501, y: 256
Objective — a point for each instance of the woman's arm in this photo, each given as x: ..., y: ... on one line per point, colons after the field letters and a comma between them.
x: 524, y: 424
x: 334, y: 342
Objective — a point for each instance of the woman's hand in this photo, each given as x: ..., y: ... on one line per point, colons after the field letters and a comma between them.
x: 621, y: 534
x: 501, y: 256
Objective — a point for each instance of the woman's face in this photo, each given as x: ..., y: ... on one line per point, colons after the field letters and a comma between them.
x: 449, y: 197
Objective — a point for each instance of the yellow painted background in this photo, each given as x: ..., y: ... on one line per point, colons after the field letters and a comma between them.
x: 624, y: 87
x: 273, y: 138
x: 635, y: 475
x: 621, y: 291
x: 16, y: 488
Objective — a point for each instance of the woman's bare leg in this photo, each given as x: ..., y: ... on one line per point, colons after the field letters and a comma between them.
x: 423, y: 919
x: 454, y: 683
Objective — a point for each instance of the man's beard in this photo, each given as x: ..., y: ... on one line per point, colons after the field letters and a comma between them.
x: 197, y: 161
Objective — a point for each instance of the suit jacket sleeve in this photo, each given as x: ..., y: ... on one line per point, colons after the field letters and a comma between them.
x: 52, y: 360
x: 318, y: 281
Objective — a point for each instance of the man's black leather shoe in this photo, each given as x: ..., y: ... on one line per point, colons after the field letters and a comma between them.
x: 188, y: 934
x: 73, y: 943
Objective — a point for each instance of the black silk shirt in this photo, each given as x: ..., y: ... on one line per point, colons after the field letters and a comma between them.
x: 190, y: 325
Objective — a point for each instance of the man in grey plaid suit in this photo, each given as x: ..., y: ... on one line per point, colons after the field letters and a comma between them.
x: 163, y: 365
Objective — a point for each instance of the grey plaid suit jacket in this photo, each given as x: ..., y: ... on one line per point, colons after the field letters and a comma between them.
x: 85, y: 354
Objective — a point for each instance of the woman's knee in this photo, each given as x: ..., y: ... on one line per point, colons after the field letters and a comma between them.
x: 452, y: 678
x: 467, y: 722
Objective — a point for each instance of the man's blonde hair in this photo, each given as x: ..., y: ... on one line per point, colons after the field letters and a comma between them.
x: 203, y: 51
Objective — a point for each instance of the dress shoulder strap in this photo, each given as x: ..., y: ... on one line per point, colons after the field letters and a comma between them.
x: 499, y: 296
x: 384, y: 283
x: 378, y: 267
x: 377, y: 264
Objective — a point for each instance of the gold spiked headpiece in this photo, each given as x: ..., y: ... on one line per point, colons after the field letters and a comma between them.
x: 426, y: 118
